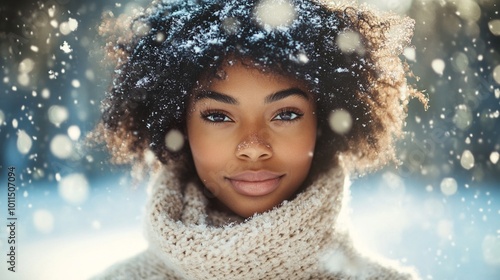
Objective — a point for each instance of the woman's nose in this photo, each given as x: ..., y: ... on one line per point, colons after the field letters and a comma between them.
x: 254, y: 148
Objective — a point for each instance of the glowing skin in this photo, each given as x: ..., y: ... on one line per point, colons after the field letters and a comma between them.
x: 252, y: 137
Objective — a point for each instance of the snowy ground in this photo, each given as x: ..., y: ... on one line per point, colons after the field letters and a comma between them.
x: 58, y: 239
x: 445, y: 237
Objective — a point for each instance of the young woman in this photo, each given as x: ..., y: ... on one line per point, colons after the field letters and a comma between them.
x: 255, y: 111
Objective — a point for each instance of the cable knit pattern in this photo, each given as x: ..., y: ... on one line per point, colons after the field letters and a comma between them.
x: 296, y: 240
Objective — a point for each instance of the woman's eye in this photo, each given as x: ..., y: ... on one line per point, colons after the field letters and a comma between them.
x: 287, y: 116
x: 216, y: 117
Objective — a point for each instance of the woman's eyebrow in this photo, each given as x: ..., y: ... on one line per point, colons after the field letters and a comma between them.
x: 282, y: 94
x: 224, y: 98
x: 217, y: 96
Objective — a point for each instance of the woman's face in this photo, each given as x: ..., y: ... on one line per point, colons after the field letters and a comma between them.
x: 252, y: 138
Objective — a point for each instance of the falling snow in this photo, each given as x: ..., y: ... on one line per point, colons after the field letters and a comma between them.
x: 438, y: 66
x: 494, y: 157
x: 494, y: 26
x: 340, y: 121
x: 74, y: 188
x: 65, y: 47
x: 174, y: 140
x: 438, y: 209
x: 467, y: 160
x: 74, y: 132
x: 58, y: 114
x: 43, y: 221
x: 68, y: 26
x: 24, y: 142
x: 449, y: 186
x: 275, y: 14
x: 61, y: 146
x: 350, y: 42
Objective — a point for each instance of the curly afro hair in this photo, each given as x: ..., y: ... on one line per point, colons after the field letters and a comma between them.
x: 348, y: 57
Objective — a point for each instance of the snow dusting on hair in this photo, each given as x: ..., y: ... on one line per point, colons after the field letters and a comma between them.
x: 346, y: 54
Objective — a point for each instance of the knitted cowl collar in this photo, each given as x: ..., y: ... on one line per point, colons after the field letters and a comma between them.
x: 196, y: 242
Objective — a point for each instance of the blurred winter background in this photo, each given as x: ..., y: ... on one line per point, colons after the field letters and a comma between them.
x: 439, y: 211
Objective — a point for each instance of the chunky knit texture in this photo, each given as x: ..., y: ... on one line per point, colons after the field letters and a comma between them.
x: 300, y: 239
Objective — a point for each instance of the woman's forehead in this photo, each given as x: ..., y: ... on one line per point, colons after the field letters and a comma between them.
x: 237, y: 70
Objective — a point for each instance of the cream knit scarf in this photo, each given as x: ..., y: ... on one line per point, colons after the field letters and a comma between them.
x: 300, y: 239
x: 296, y: 240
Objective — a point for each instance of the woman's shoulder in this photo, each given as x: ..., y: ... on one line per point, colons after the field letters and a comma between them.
x: 142, y: 266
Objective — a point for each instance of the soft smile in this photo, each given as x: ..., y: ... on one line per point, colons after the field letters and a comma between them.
x: 255, y: 183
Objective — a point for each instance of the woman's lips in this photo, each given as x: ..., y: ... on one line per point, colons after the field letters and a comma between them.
x: 255, y: 183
